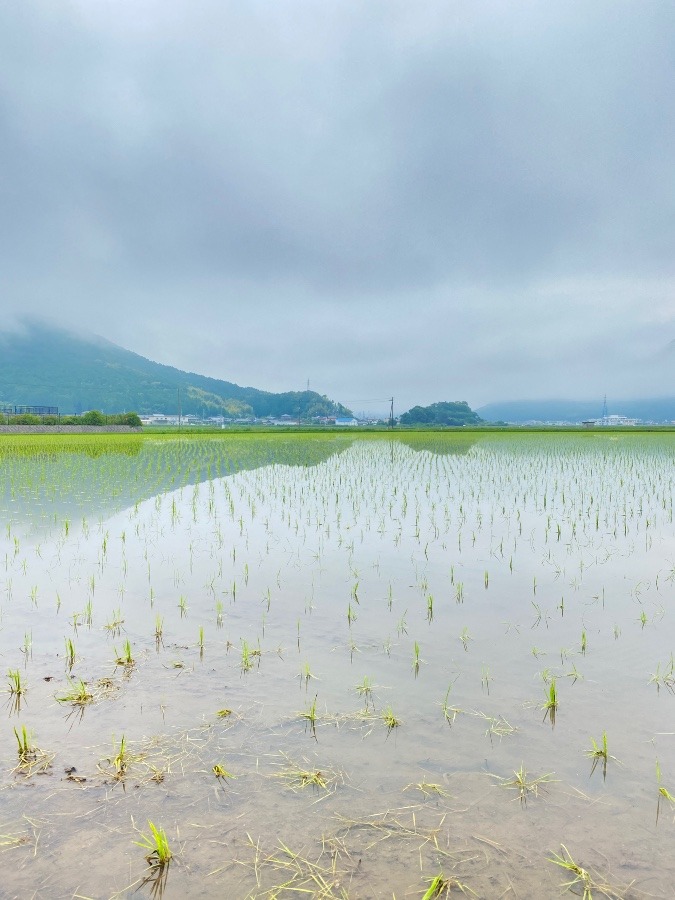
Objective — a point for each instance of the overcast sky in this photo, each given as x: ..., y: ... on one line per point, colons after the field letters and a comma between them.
x: 462, y: 199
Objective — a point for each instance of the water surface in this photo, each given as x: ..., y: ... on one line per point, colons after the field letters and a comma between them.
x: 314, y: 587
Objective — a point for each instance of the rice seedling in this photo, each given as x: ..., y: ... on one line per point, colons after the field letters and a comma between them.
x: 16, y: 688
x: 498, y: 726
x: 310, y: 716
x: 118, y: 763
x: 224, y: 713
x: 582, y: 881
x: 156, y: 843
x: 465, y: 637
x: 564, y: 653
x: 574, y: 674
x: 221, y: 772
x: 305, y: 674
x: 27, y: 646
x: 125, y: 658
x: 31, y: 757
x: 70, y: 653
x: 365, y: 689
x: 390, y: 719
x: 440, y: 886
x: 428, y: 789
x: 485, y: 678
x: 416, y: 659
x: 78, y: 694
x: 599, y: 755
x: 114, y: 625
x: 120, y: 760
x: 525, y: 785
x: 663, y: 794
x: 664, y: 679
x: 200, y: 641
x: 550, y: 705
x: 159, y: 630
x: 248, y: 653
x: 302, y: 775
x: 539, y: 615
x: 450, y: 713
x: 25, y: 747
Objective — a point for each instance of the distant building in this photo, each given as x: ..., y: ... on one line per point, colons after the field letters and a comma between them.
x: 346, y: 421
x: 617, y: 420
x: 610, y: 422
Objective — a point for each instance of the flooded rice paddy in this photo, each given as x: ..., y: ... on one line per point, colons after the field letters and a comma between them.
x: 337, y: 666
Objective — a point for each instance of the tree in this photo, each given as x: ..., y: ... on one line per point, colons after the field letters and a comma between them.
x: 445, y: 413
x: 93, y: 417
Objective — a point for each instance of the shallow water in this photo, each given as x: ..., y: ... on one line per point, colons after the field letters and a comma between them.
x: 285, y: 570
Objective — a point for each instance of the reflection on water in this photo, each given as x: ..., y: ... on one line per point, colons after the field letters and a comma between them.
x: 334, y: 664
x: 78, y: 476
x: 439, y: 443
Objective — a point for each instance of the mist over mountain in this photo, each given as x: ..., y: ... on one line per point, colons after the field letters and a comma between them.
x: 658, y: 409
x: 42, y: 365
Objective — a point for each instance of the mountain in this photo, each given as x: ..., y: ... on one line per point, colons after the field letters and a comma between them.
x: 45, y: 366
x: 660, y: 409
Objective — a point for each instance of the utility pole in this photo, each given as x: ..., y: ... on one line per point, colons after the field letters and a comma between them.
x: 179, y: 411
x: 391, y: 413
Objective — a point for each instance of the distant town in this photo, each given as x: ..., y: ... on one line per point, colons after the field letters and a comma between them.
x: 164, y: 420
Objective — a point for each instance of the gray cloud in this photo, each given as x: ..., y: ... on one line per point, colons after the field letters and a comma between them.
x: 456, y: 201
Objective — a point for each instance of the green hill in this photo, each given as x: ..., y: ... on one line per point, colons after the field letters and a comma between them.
x: 455, y: 414
x: 45, y: 366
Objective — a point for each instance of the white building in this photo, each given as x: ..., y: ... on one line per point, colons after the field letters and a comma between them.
x: 348, y: 421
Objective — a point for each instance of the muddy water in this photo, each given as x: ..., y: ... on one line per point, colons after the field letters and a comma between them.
x: 460, y: 577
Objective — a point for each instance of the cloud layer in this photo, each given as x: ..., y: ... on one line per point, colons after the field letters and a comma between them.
x: 448, y: 200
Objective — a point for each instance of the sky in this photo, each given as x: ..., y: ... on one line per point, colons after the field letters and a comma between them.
x: 440, y: 200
